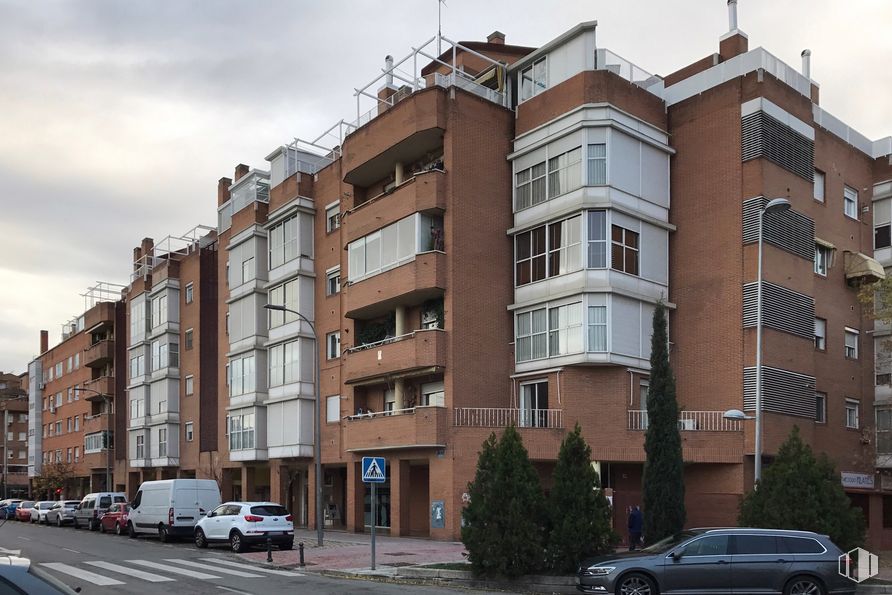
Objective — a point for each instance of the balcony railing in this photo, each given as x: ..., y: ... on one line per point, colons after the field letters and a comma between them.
x: 502, y: 417
x: 690, y: 421
x: 401, y: 428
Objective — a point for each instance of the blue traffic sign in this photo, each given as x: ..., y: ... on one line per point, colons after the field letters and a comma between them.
x: 374, y: 470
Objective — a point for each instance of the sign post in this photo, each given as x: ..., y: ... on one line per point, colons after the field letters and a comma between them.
x: 374, y: 471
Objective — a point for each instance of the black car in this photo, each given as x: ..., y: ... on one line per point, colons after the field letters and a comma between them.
x: 722, y: 561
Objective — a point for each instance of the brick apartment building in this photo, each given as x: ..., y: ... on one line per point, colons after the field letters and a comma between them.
x: 14, y: 416
x: 484, y: 246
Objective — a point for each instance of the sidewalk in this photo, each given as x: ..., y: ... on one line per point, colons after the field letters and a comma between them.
x: 342, y: 551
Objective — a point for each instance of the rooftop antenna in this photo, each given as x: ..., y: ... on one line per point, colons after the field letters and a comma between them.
x: 439, y: 24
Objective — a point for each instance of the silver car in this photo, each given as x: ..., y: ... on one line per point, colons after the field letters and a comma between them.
x: 62, y: 512
x: 39, y: 510
x: 722, y: 561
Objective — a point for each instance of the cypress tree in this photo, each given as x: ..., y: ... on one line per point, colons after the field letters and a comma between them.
x: 478, y: 540
x: 664, y: 510
x: 801, y: 491
x: 579, y: 512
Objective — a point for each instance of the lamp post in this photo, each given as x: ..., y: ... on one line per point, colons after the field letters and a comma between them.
x: 775, y: 205
x: 106, y: 399
x: 317, y: 438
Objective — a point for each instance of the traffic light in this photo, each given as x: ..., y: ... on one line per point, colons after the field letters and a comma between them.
x: 58, y: 491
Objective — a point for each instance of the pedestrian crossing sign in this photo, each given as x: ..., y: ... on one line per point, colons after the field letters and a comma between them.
x: 374, y: 470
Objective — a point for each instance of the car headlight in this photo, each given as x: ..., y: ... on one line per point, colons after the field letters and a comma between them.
x: 600, y: 570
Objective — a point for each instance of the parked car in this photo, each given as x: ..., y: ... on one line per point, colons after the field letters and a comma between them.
x: 94, y: 506
x: 8, y: 507
x: 115, y: 519
x: 18, y: 575
x: 242, y: 524
x: 23, y: 512
x: 171, y: 507
x: 38, y: 512
x: 721, y: 561
x: 62, y: 512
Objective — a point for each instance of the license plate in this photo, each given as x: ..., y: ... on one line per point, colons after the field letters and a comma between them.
x: 578, y: 581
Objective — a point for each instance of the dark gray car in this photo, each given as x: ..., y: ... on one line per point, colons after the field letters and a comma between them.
x: 722, y: 561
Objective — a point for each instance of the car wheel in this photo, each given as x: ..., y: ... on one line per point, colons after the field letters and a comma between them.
x: 636, y: 584
x: 200, y: 540
x: 163, y: 534
x: 101, y: 527
x: 58, y: 521
x: 93, y: 525
x: 287, y: 546
x: 131, y: 532
x: 804, y: 585
x: 32, y: 520
x: 236, y: 542
x: 118, y: 530
x: 76, y: 524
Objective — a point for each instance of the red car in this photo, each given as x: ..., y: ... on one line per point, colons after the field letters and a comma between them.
x: 23, y: 512
x: 115, y: 519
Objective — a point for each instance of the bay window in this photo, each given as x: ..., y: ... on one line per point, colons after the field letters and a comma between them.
x: 565, y: 172
x: 242, y: 378
x: 283, y: 364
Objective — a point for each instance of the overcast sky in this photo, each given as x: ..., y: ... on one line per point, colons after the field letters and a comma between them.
x: 117, y: 117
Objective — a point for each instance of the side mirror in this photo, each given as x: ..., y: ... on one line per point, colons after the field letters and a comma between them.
x: 676, y: 555
x: 210, y: 514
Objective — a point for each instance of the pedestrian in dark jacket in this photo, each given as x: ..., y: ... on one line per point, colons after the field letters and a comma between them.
x: 636, y: 521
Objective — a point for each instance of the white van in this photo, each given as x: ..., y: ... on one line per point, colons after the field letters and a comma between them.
x: 171, y: 507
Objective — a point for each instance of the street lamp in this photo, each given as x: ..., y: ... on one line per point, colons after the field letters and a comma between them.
x: 107, y: 400
x: 775, y: 205
x: 317, y: 439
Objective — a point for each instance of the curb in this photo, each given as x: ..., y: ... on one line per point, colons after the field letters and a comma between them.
x: 456, y: 578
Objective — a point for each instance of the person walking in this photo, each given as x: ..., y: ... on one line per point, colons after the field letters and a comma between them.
x: 636, y: 520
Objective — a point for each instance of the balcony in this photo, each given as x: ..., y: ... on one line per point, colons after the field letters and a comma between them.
x: 100, y: 315
x: 98, y: 423
x: 99, y: 354
x: 689, y: 421
x: 418, y: 427
x: 502, y: 417
x: 104, y: 385
x: 423, y: 193
x: 97, y: 460
x: 421, y: 279
x: 419, y: 352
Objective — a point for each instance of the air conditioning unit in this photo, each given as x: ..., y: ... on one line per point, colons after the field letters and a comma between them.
x: 687, y: 424
x: 41, y: 385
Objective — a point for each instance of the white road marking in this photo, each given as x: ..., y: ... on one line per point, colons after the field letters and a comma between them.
x: 71, y: 550
x: 168, y: 568
x: 10, y: 552
x: 25, y: 538
x: 233, y: 590
x: 250, y: 567
x: 146, y: 576
x: 212, y: 568
x: 86, y: 575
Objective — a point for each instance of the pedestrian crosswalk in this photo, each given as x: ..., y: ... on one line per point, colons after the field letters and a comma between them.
x: 104, y: 573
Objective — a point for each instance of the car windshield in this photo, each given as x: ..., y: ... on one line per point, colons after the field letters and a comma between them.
x: 26, y: 504
x: 47, y: 504
x: 664, y: 545
x: 269, y: 510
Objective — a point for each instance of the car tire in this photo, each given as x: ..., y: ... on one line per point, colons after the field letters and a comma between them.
x: 92, y: 525
x: 32, y: 520
x: 58, y: 521
x: 76, y: 524
x: 201, y: 541
x: 287, y: 546
x: 118, y: 529
x: 163, y: 534
x: 131, y: 532
x: 637, y: 583
x: 804, y: 585
x: 101, y: 527
x: 237, y: 542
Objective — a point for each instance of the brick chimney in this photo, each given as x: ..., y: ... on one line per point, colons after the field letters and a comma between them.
x: 496, y: 37
x: 147, y: 247
x: 223, y: 185
x: 44, y: 341
x: 241, y: 170
x: 734, y: 42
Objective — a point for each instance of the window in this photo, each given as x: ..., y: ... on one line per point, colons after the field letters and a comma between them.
x: 565, y: 172
x: 69, y: 425
x: 333, y: 341
x: 533, y: 405
x: 851, y: 343
x: 70, y: 361
x: 283, y: 364
x: 850, y: 202
x: 530, y: 256
x: 241, y: 431
x: 882, y: 238
x: 332, y: 409
x: 159, y: 311
x: 533, y: 79
x: 137, y: 319
x: 190, y: 385
x: 188, y: 338
x: 59, y: 370
x: 433, y: 394
x: 822, y: 259
x: 77, y: 361
x: 625, y: 250
x: 70, y: 394
x: 241, y: 376
x: 137, y: 408
x: 67, y: 455
x: 333, y: 283
x: 137, y: 366
x: 821, y: 407
x: 284, y: 295
x: 820, y: 334
x: 58, y: 399
x: 77, y: 454
x: 564, y: 246
x: 715, y: 545
x: 58, y: 428
x: 189, y: 431
x: 332, y: 218
x: 248, y: 270
x: 565, y: 329
x: 23, y: 436
x: 819, y: 185
x: 800, y: 545
x: 283, y: 242
x: 597, y: 328
x: 884, y: 431
x: 389, y: 400
x: 532, y: 333
x: 161, y: 406
x: 852, y: 413
x: 755, y: 544
x: 394, y: 244
x: 162, y: 442
x: 77, y: 423
x: 597, y: 164
x: 140, y: 447
x: 189, y: 293
x: 93, y: 443
x: 529, y: 186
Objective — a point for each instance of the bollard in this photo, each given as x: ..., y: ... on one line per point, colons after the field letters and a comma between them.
x: 300, y: 548
x: 269, y: 549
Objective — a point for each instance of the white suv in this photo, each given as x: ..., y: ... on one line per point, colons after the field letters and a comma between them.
x: 244, y: 523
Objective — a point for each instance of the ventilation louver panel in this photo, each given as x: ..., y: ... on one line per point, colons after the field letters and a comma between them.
x: 768, y: 137
x: 782, y: 309
x: 783, y: 392
x: 787, y: 230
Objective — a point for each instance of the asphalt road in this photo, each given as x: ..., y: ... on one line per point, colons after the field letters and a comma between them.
x: 106, y: 564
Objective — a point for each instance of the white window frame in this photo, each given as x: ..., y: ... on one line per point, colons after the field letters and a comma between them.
x: 851, y: 350
x: 529, y: 416
x: 189, y: 428
x: 333, y: 282
x: 190, y: 293
x: 820, y: 407
x: 564, y: 172
x: 853, y: 414
x: 823, y: 255
x: 820, y: 334
x: 819, y: 186
x: 162, y: 442
x: 140, y: 446
x: 284, y: 363
x: 850, y: 202
x: 333, y: 409
x: 333, y: 345
x: 433, y: 394
x: 189, y: 385
x: 286, y: 294
x: 537, y: 75
x: 332, y: 218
